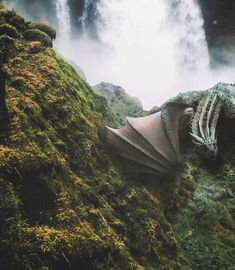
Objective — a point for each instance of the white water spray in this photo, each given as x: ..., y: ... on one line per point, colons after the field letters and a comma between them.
x: 188, y: 25
x: 85, y: 15
x: 63, y: 16
x: 156, y: 48
x: 153, y: 49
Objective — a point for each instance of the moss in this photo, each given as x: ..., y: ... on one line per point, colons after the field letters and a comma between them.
x: 38, y: 35
x: 35, y: 47
x: 63, y: 183
x: 6, y: 13
x: 44, y: 28
x: 7, y: 47
x: 206, y: 222
x: 17, y: 21
x: 7, y: 29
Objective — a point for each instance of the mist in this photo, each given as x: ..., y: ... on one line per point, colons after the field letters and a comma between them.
x: 153, y: 50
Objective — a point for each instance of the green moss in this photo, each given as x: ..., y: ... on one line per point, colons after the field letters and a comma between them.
x: 7, y: 29
x: 17, y: 21
x: 205, y: 225
x: 6, y: 13
x: 38, y: 35
x: 44, y: 28
x: 69, y: 208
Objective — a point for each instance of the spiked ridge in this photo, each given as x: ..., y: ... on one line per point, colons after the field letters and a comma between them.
x: 205, y: 121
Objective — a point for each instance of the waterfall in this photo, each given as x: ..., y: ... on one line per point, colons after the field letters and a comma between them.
x: 153, y: 49
x: 152, y: 45
x: 158, y: 22
x: 63, y: 16
x: 89, y: 19
x: 85, y: 15
x: 188, y: 24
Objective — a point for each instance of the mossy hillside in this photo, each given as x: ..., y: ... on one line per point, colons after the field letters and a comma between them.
x: 205, y: 223
x: 65, y: 206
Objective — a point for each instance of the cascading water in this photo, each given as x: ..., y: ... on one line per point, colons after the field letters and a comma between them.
x: 85, y: 16
x: 153, y: 49
x: 188, y: 25
x: 63, y: 16
x: 64, y: 26
x: 89, y: 18
x: 152, y: 45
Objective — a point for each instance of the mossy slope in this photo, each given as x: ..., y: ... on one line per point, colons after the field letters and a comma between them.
x: 63, y: 204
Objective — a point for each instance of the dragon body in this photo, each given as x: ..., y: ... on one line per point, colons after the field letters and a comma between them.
x: 151, y: 142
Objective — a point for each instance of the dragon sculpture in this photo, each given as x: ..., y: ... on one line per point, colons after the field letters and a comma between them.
x: 151, y: 142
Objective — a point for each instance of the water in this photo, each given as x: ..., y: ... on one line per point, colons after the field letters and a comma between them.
x: 188, y: 24
x: 85, y: 16
x: 63, y: 16
x: 153, y: 49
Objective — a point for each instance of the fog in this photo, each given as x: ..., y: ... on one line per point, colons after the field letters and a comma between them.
x: 152, y: 49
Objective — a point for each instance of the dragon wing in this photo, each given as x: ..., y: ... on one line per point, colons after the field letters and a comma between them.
x: 151, y: 143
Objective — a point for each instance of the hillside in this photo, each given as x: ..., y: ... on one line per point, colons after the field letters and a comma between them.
x: 65, y: 203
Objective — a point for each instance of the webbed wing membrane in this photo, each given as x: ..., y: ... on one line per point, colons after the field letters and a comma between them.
x: 150, y: 142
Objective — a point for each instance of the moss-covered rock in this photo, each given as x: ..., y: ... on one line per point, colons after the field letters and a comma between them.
x: 121, y: 103
x: 38, y: 35
x: 6, y: 13
x: 45, y: 28
x: 17, y: 21
x: 9, y: 30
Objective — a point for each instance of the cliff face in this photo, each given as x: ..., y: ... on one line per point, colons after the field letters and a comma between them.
x: 65, y: 205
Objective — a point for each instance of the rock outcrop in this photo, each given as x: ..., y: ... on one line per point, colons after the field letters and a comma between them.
x: 121, y: 103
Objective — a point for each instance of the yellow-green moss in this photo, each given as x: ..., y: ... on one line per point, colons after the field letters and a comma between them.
x: 73, y: 209
x: 9, y: 30
x: 43, y: 27
x: 38, y: 35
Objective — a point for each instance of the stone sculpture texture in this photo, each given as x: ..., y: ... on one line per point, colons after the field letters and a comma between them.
x: 151, y: 143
